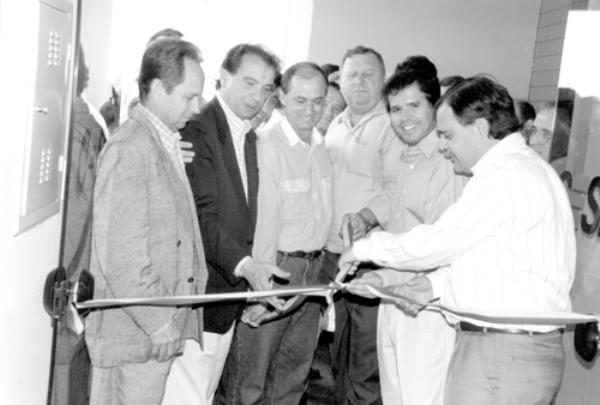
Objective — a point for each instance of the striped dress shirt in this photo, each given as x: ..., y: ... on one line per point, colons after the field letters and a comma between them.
x: 170, y: 140
x: 509, y: 239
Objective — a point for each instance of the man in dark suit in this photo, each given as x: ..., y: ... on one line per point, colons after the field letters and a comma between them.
x: 224, y: 179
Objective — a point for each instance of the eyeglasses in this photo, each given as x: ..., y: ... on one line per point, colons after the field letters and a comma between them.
x: 541, y: 135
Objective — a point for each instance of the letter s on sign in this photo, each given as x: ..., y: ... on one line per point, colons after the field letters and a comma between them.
x: 591, y: 228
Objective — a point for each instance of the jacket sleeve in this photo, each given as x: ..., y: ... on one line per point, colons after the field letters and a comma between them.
x: 122, y: 234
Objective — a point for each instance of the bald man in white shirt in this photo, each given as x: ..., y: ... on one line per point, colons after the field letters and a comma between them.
x: 294, y: 215
x: 366, y: 155
x: 509, y: 241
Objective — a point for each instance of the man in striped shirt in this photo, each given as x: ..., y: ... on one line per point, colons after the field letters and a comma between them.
x: 510, y: 244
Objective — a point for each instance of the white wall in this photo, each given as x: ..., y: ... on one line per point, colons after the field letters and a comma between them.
x: 214, y: 26
x: 95, y: 36
x: 25, y: 333
x: 462, y: 37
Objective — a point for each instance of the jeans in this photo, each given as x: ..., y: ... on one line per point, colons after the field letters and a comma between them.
x: 503, y: 369
x: 270, y: 364
x: 354, y: 348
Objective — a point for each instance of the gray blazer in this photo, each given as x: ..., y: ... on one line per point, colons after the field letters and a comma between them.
x: 145, y: 243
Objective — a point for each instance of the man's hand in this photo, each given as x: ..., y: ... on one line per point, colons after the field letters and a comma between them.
x: 358, y: 286
x: 256, y: 314
x: 360, y: 223
x: 253, y: 313
x: 418, y: 289
x: 260, y: 277
x: 348, y: 262
x: 358, y: 226
x: 187, y: 152
x: 166, y: 342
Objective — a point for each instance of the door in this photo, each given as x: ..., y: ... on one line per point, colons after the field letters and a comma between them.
x: 70, y: 368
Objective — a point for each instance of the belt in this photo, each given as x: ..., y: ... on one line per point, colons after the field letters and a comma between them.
x: 469, y: 327
x: 329, y: 252
x: 312, y: 255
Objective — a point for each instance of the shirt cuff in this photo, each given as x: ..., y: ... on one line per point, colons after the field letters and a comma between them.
x: 379, y: 209
x: 438, y: 280
x: 238, y: 268
x: 360, y: 249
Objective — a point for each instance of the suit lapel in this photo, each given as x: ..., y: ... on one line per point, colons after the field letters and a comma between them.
x: 182, y: 200
x: 252, y: 171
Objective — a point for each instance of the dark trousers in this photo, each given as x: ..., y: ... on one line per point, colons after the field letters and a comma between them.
x: 354, y: 349
x: 270, y: 364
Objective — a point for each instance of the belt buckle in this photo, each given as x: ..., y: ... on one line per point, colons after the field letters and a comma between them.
x: 312, y: 255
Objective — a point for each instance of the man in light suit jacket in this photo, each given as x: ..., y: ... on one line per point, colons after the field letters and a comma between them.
x: 224, y: 179
x: 146, y: 241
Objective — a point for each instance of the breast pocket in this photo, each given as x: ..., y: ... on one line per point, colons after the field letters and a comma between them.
x: 295, y: 195
x: 361, y: 160
x: 295, y: 186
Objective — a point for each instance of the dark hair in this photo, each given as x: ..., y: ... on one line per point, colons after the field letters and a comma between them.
x: 233, y: 59
x: 481, y: 97
x: 363, y: 50
x: 164, y: 60
x: 524, y: 111
x: 164, y: 34
x: 418, y: 70
x: 302, y: 69
x: 451, y: 81
x: 334, y: 85
x: 277, y: 80
x: 329, y: 68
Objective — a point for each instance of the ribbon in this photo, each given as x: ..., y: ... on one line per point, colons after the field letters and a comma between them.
x: 524, y: 317
x: 187, y: 300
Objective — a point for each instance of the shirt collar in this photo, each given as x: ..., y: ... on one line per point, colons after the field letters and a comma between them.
x: 379, y: 109
x: 430, y: 144
x: 427, y: 147
x: 164, y: 131
x: 508, y: 144
x: 293, y: 137
x: 233, y: 120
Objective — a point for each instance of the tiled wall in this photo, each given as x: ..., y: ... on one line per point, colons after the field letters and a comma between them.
x: 548, y: 47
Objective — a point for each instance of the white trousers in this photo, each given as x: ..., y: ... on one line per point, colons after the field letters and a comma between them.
x: 414, y: 355
x: 194, y: 376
